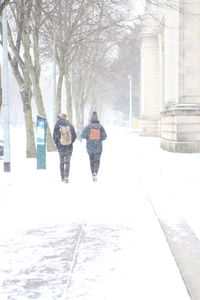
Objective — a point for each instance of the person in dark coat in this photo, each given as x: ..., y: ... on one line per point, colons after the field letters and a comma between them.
x: 65, y: 149
x: 94, y: 133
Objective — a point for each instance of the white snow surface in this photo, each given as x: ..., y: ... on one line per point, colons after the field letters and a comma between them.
x: 94, y: 241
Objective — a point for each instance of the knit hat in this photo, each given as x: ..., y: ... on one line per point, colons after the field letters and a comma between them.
x: 94, y: 117
x: 62, y: 116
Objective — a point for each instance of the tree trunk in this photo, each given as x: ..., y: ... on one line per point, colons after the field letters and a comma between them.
x: 30, y: 137
x: 25, y: 91
x: 24, y: 82
x: 41, y: 111
x: 59, y: 91
x: 35, y: 77
x: 0, y: 91
x: 79, y: 118
x: 69, y: 98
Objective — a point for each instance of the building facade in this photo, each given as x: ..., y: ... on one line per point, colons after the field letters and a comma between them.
x: 170, y: 76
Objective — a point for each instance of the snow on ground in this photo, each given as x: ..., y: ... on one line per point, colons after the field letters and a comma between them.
x: 122, y: 253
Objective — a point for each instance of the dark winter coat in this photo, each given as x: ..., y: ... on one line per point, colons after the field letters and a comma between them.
x: 94, y: 146
x: 57, y: 134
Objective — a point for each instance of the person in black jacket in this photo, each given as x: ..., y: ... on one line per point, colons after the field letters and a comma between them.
x: 64, y: 136
x: 94, y: 133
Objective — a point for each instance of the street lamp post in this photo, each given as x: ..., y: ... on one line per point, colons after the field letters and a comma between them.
x: 130, y: 102
x: 5, y: 95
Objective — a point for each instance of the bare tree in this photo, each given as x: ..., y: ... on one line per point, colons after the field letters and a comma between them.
x: 19, y: 10
x: 52, y: 42
x: 96, y: 50
x: 83, y: 31
x: 24, y: 28
x: 32, y: 54
x: 80, y: 34
x: 2, y: 6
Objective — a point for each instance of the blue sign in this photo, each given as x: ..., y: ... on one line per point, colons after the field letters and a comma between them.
x: 40, y: 132
x: 41, y: 142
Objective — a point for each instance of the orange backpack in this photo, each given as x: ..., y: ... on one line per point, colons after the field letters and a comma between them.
x: 94, y: 134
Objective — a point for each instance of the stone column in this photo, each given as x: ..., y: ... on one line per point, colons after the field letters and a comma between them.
x: 149, y: 121
x: 180, y: 123
x: 189, y: 81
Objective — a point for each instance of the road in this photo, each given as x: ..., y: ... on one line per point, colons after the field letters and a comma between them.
x: 89, y: 240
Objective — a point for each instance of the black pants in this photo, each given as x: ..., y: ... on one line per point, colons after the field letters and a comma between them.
x: 94, y: 162
x: 65, y: 158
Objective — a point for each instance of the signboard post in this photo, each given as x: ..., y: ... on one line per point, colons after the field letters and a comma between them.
x: 41, y: 142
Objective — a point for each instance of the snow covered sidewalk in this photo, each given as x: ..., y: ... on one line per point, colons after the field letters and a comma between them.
x: 85, y: 240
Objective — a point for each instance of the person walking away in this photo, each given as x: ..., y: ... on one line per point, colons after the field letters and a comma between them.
x: 94, y: 133
x: 64, y: 136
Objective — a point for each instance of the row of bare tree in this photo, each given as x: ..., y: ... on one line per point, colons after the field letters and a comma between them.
x: 81, y: 36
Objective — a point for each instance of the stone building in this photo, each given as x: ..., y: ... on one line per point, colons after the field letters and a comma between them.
x: 170, y: 76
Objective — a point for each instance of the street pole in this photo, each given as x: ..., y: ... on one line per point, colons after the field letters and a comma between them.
x: 5, y: 94
x: 130, y: 102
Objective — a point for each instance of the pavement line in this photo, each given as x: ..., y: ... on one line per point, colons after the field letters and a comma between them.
x: 73, y: 263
